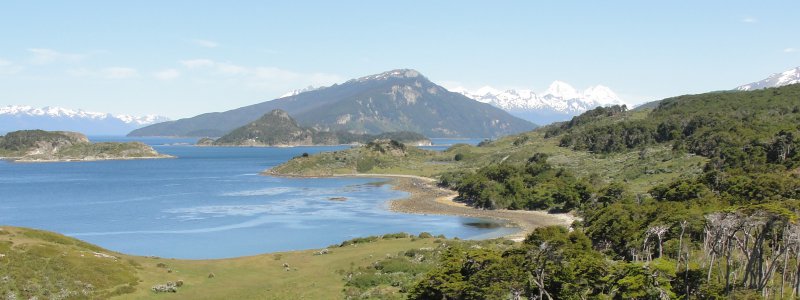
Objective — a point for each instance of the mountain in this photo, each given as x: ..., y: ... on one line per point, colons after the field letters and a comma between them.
x: 787, y: 77
x: 398, y: 100
x: 559, y: 102
x: 277, y: 128
x: 15, y: 117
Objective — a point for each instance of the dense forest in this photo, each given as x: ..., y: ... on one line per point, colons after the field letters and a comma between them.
x: 730, y: 232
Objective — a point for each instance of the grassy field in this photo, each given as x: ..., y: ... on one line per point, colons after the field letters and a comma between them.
x: 44, y: 264
x: 639, y: 169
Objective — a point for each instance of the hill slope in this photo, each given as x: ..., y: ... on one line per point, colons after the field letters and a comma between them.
x: 398, y: 100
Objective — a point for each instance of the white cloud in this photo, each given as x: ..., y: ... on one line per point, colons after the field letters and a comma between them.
x: 108, y: 73
x: 789, y: 50
x: 119, y: 73
x: 168, y: 74
x: 205, y: 43
x: 259, y: 77
x: 197, y: 63
x: 8, y: 67
x: 230, y: 69
x: 749, y: 20
x: 43, y: 56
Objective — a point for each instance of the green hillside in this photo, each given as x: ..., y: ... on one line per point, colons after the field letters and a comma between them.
x: 697, y: 197
x: 36, y: 264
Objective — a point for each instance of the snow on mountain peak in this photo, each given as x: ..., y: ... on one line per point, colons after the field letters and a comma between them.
x: 60, y: 112
x: 562, y: 90
x: 299, y: 91
x: 559, y: 97
x: 399, y: 73
x: 787, y: 77
x: 602, y: 95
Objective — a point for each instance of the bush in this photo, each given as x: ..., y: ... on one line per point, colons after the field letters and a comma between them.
x: 399, y: 235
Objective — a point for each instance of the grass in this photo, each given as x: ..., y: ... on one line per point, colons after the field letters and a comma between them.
x: 39, y: 264
x: 44, y: 264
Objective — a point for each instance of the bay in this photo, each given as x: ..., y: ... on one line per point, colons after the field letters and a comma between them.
x: 209, y: 202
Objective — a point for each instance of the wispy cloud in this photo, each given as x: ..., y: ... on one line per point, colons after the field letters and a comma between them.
x: 9, y: 68
x: 41, y: 56
x: 749, y: 20
x: 119, y: 73
x: 259, y: 76
x: 107, y: 73
x: 205, y: 43
x: 790, y: 50
x: 197, y: 63
x: 168, y: 74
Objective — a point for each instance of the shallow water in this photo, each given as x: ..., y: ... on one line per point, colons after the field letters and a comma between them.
x: 207, y: 203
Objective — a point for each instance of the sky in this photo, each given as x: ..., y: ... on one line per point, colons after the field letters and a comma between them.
x: 182, y: 58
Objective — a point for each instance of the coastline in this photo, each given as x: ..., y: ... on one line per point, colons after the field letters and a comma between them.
x: 23, y: 160
x: 425, y: 197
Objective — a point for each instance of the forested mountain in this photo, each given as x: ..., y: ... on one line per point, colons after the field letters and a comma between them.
x: 398, y: 100
x: 696, y: 198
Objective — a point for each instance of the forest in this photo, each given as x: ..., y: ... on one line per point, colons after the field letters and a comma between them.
x: 731, y: 232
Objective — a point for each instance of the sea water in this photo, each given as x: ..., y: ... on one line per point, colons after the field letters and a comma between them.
x: 209, y: 202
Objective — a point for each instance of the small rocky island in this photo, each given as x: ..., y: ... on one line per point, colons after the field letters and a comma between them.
x: 278, y: 129
x: 52, y: 146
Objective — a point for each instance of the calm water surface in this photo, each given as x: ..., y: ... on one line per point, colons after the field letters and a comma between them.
x: 207, y: 203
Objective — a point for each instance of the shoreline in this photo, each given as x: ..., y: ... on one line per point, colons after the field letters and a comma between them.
x: 427, y: 198
x: 23, y: 160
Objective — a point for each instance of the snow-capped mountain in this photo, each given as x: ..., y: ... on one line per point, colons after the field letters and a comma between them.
x: 18, y: 117
x: 298, y: 91
x: 788, y: 77
x: 559, y: 102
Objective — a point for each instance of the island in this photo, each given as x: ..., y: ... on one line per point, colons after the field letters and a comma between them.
x: 277, y: 129
x: 56, y: 146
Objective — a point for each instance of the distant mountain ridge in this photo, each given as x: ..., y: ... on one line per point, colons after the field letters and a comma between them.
x: 20, y: 117
x: 397, y: 100
x: 791, y: 76
x: 559, y: 102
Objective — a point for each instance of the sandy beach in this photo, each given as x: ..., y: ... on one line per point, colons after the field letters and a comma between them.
x: 427, y: 198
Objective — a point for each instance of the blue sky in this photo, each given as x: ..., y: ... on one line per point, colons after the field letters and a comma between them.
x: 182, y: 58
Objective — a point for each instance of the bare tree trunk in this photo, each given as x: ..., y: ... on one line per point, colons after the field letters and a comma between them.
x: 680, y: 245
x: 783, y: 272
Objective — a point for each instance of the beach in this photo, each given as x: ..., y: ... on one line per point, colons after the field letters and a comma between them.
x: 425, y: 197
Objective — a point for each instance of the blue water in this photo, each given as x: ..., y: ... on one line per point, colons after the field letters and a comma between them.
x: 209, y: 202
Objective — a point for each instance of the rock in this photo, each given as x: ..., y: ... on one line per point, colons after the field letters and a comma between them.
x: 205, y: 142
x: 169, y: 287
